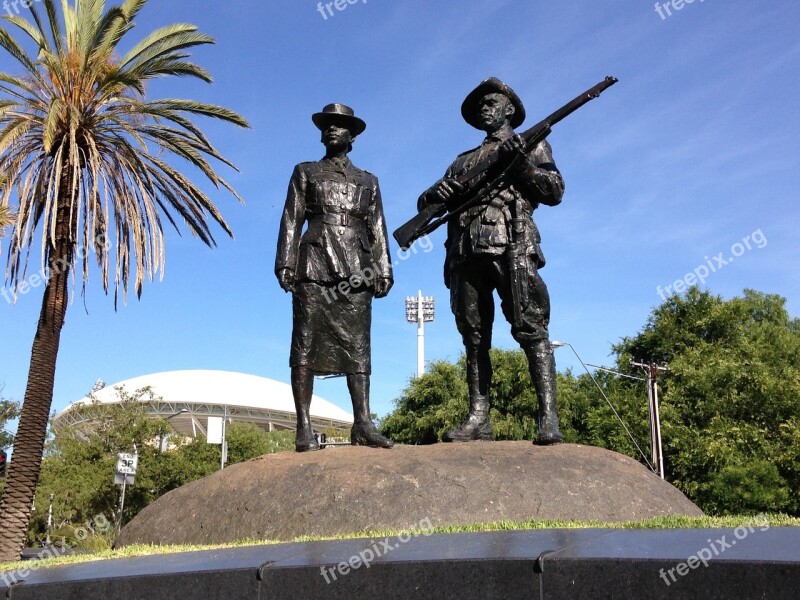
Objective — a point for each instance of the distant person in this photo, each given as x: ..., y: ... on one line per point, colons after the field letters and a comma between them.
x: 334, y: 268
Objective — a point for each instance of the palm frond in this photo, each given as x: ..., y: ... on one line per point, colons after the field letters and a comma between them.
x: 132, y: 7
x: 70, y: 25
x: 109, y: 32
x: 83, y: 152
x: 55, y: 27
x: 10, y: 45
x: 90, y: 19
x: 7, y: 217
x: 159, y: 38
x: 34, y: 32
x: 198, y: 108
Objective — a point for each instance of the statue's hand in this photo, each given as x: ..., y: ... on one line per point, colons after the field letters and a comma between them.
x: 512, y: 148
x: 286, y: 280
x: 382, y: 286
x: 443, y: 191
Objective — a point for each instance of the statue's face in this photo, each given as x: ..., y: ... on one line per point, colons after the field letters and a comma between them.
x: 336, y: 137
x: 494, y: 111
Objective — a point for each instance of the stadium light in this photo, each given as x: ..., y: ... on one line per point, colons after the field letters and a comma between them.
x: 420, y: 310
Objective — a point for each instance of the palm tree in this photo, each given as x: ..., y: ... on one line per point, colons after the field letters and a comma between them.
x: 6, y: 217
x: 87, y: 158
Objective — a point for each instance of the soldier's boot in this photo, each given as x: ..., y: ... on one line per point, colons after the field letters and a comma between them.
x: 476, y: 427
x: 302, y: 389
x: 542, y: 366
x: 363, y: 432
x: 479, y: 379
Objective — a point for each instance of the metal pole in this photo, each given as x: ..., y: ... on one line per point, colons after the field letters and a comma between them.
x: 656, y: 450
x: 224, y: 438
x: 124, y: 487
x: 121, y: 503
x: 651, y: 412
x: 657, y: 428
x: 49, y: 520
x: 420, y: 337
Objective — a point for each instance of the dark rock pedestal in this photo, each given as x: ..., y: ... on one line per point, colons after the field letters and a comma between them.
x: 351, y: 489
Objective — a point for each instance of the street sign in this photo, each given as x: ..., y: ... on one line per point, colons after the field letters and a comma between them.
x: 214, y: 430
x: 121, y: 479
x: 127, y: 463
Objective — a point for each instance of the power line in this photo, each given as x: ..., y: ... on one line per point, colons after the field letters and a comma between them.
x: 555, y: 344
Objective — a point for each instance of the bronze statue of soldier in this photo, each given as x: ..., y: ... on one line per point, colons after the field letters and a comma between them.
x: 484, y: 249
x: 334, y: 269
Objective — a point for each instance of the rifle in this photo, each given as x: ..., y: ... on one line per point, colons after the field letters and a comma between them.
x: 487, y: 175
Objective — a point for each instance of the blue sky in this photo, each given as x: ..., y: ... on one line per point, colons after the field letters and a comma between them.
x: 692, y: 152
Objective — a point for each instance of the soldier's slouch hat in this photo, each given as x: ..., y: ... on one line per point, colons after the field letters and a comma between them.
x: 469, y: 108
x: 339, y: 114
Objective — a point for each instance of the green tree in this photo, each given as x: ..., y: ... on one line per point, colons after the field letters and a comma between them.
x: 437, y: 401
x: 79, y: 463
x: 86, y: 155
x: 248, y: 440
x: 6, y: 218
x: 9, y: 411
x: 730, y: 418
x: 730, y: 415
x: 80, y: 459
x: 617, y: 419
x: 429, y: 406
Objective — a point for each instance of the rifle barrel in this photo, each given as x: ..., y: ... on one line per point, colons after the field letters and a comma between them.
x: 426, y: 221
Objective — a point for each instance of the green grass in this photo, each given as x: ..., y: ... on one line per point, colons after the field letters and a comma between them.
x: 671, y: 522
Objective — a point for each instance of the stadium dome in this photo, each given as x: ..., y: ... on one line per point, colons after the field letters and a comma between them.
x: 188, y: 398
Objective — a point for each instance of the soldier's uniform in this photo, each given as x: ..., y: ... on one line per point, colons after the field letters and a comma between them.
x: 336, y: 261
x: 477, y: 263
x: 477, y: 241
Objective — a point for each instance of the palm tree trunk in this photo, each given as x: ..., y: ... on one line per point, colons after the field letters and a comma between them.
x: 23, y: 471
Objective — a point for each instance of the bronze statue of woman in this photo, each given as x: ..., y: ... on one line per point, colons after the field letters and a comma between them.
x: 334, y: 269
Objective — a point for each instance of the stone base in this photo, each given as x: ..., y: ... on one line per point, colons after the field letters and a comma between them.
x: 352, y: 489
x: 554, y: 564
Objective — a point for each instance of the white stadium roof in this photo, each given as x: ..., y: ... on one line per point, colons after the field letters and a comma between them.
x: 192, y: 396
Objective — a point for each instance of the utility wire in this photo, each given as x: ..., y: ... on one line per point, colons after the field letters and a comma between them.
x: 602, y: 393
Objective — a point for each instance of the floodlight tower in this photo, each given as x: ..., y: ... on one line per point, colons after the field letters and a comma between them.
x: 420, y: 310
